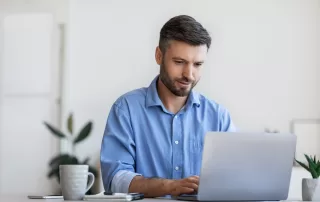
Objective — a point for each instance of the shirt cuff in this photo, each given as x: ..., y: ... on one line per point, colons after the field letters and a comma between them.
x: 121, y: 181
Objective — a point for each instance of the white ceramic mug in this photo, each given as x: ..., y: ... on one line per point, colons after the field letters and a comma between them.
x: 74, y: 181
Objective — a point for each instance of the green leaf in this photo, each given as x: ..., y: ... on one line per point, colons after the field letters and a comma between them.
x: 310, y: 161
x: 63, y: 159
x: 60, y: 160
x: 70, y: 123
x: 54, y: 130
x: 86, y: 161
x: 312, y: 167
x: 53, y: 173
x: 84, y: 133
x: 318, y: 167
x: 314, y: 172
x: 303, y: 165
x: 56, y: 160
x: 318, y: 170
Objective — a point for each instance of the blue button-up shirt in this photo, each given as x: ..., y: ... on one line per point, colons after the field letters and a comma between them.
x: 143, y: 137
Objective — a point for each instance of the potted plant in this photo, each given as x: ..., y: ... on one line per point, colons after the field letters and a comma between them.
x: 73, y: 140
x: 310, y: 185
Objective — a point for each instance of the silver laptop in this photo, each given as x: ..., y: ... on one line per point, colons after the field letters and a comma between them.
x: 245, y: 167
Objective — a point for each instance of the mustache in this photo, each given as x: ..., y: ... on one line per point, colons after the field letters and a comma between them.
x: 185, y: 80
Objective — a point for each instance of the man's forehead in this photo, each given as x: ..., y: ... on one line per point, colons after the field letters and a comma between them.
x: 177, y: 49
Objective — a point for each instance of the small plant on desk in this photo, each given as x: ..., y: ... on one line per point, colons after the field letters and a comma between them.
x: 313, y: 166
x: 73, y: 140
x: 309, y: 185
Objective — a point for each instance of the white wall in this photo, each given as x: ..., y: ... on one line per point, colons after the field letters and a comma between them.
x: 263, y: 64
x: 28, y: 89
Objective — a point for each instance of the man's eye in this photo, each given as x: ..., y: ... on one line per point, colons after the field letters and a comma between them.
x: 198, y: 64
x: 178, y: 62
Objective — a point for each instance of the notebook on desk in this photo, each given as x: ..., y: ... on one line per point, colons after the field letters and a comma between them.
x: 115, y: 197
x: 245, y: 167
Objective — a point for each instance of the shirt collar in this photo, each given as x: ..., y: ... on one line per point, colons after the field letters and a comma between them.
x: 152, y: 97
x: 194, y: 98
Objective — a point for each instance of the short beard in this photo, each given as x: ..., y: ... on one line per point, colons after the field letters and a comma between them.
x: 165, y: 78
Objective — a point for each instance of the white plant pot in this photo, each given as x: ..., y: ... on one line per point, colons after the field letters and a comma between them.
x: 310, y: 189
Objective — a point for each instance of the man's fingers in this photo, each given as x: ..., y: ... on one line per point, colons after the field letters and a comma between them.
x: 194, y: 177
x: 186, y: 186
x: 193, y: 180
x: 186, y: 190
x: 191, y: 185
x: 182, y: 190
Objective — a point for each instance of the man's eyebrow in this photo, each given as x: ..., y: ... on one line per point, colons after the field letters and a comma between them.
x: 179, y: 58
x: 200, y: 61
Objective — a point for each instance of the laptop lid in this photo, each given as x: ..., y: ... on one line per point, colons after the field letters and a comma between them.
x: 243, y: 166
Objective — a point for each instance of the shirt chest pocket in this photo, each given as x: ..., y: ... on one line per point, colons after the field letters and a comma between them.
x: 196, y: 143
x: 195, y: 151
x: 196, y: 140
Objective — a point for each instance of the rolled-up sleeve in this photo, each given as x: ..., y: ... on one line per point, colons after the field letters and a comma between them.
x: 117, y: 149
x: 121, y: 181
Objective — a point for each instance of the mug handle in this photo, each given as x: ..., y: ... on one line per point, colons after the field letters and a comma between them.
x: 91, y: 181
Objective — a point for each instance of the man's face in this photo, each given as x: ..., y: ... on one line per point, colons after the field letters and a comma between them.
x: 180, y: 66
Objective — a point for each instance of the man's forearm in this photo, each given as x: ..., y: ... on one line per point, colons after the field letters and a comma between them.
x: 150, y: 187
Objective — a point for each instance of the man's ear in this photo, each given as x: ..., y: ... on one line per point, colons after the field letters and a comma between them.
x: 158, y: 56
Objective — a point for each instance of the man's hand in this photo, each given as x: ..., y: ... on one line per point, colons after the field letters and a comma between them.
x: 153, y: 187
x: 184, y: 186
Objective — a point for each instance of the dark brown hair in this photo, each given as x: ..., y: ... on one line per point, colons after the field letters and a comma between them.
x: 186, y: 29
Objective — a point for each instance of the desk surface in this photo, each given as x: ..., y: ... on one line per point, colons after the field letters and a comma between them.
x: 25, y: 199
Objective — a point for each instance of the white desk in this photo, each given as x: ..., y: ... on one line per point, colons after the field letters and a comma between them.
x: 25, y: 199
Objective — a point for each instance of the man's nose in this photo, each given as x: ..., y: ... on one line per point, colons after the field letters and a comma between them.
x: 187, y: 72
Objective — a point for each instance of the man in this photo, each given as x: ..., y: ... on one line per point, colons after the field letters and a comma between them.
x: 153, y: 139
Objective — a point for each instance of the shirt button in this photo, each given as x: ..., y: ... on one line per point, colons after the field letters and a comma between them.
x: 177, y: 168
x: 176, y: 116
x: 177, y: 142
